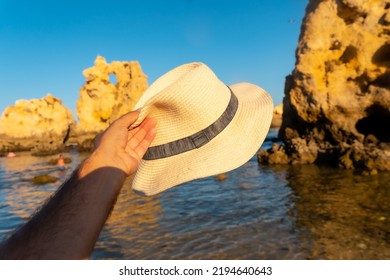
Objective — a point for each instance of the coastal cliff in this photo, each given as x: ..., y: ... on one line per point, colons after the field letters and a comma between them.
x: 103, y: 100
x: 37, y: 125
x: 46, y: 126
x: 111, y: 90
x: 277, y: 116
x: 336, y: 107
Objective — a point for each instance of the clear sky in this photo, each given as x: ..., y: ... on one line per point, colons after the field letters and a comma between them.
x: 45, y: 45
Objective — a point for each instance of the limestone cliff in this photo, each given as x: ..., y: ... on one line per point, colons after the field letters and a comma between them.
x: 102, y: 100
x: 39, y: 125
x: 277, y: 117
x: 337, y: 99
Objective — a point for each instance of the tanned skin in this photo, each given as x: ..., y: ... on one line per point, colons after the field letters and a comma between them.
x: 68, y: 225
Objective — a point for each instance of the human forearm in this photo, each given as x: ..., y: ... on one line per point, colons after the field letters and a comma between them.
x: 68, y: 226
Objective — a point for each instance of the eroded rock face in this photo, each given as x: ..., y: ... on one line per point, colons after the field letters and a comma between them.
x: 40, y: 125
x: 101, y: 100
x: 338, y: 95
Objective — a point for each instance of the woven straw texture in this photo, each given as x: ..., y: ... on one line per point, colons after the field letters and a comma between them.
x: 186, y: 100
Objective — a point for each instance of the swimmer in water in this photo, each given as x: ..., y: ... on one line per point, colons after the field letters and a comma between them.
x: 61, y: 162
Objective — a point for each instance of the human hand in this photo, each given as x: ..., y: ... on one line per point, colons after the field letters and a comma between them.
x: 120, y: 147
x: 77, y: 212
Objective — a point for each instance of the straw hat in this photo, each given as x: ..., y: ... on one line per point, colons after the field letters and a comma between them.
x: 203, y: 127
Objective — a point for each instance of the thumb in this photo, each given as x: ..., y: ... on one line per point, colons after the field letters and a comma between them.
x: 127, y: 119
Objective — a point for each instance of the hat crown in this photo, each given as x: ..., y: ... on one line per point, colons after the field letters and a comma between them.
x: 203, y: 127
x: 184, y: 101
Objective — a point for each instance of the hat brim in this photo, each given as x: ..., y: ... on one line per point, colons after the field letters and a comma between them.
x: 233, y: 147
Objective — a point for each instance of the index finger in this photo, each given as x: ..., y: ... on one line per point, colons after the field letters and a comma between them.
x: 127, y: 119
x: 139, y: 133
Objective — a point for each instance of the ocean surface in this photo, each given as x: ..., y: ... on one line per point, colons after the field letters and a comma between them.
x: 258, y: 212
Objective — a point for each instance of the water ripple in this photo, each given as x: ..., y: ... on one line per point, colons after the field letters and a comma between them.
x: 258, y: 212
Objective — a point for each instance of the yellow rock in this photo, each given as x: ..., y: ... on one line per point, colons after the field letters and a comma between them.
x: 221, y: 177
x: 277, y: 117
x: 341, y: 74
x: 374, y: 172
x: 101, y: 101
x: 39, y: 118
x: 338, y: 93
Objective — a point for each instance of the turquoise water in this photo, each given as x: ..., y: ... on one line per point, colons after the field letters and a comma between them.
x: 259, y: 212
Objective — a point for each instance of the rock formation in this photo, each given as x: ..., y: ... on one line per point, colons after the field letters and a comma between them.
x: 101, y: 100
x: 277, y: 117
x: 337, y: 99
x: 38, y: 125
x: 44, y: 125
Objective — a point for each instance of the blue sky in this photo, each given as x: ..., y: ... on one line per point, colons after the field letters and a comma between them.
x: 45, y: 45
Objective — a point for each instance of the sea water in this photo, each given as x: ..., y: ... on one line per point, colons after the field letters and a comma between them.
x: 258, y: 212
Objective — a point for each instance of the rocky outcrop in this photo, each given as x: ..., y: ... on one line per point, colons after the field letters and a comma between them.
x: 337, y: 99
x: 44, y: 179
x: 37, y: 125
x: 44, y: 125
x: 102, y: 100
x: 277, y: 117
